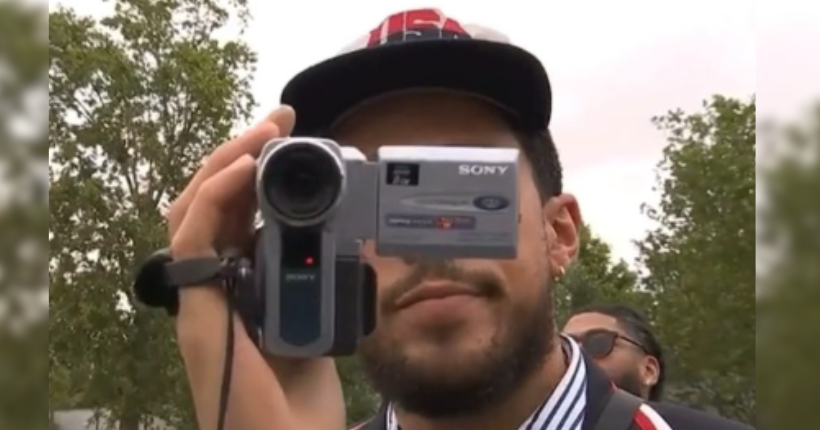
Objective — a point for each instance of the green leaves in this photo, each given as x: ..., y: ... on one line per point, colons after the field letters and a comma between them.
x: 23, y: 216
x: 700, y: 261
x: 593, y: 278
x: 22, y: 366
x: 788, y: 275
x: 361, y: 400
x: 137, y: 101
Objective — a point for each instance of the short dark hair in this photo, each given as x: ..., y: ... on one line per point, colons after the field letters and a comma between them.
x: 539, y: 148
x: 637, y: 326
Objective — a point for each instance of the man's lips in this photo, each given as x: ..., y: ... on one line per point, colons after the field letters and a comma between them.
x: 433, y: 290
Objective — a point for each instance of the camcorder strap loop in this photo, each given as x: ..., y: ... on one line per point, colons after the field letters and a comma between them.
x: 160, y: 278
x: 196, y: 272
x: 232, y: 269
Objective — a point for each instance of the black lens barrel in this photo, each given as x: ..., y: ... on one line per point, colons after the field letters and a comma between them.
x: 302, y: 181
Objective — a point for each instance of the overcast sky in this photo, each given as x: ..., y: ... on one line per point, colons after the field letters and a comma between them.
x: 613, y: 65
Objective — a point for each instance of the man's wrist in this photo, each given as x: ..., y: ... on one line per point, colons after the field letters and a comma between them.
x: 197, y: 303
x: 202, y: 310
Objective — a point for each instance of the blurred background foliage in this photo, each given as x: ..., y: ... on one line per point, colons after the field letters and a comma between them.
x: 23, y: 216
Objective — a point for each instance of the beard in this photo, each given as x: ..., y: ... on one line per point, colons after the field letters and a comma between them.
x: 630, y: 381
x: 431, y: 387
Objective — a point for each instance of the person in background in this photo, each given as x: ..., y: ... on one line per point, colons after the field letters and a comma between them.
x: 621, y: 341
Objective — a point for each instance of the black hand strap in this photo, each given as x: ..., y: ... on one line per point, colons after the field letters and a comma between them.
x: 195, y: 272
x: 619, y: 412
x: 160, y: 277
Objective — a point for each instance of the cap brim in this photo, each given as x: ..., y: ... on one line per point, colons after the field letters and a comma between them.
x: 504, y: 74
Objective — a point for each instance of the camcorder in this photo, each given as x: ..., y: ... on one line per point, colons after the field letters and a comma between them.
x: 310, y: 291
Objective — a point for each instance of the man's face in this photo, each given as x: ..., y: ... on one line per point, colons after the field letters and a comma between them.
x: 459, y: 353
x: 626, y: 363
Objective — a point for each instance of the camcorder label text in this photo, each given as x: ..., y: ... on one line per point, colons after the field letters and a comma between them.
x: 482, y: 169
x: 300, y: 276
x: 432, y: 222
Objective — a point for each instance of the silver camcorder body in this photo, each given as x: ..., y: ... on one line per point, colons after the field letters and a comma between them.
x: 320, y: 201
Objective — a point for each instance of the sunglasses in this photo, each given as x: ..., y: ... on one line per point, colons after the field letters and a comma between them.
x: 599, y: 343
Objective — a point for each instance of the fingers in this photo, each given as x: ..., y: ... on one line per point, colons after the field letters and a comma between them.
x: 279, y: 123
x: 284, y: 117
x: 213, y: 204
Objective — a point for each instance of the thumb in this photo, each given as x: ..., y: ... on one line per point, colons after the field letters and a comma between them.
x: 284, y: 117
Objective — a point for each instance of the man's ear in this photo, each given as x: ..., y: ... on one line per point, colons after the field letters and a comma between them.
x: 651, y: 371
x: 562, y: 219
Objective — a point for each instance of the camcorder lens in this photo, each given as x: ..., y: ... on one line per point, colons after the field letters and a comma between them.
x: 302, y: 182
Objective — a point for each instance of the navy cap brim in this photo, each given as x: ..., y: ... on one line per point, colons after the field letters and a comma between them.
x: 509, y: 76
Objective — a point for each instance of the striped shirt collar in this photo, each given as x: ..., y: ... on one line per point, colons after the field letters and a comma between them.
x: 563, y: 410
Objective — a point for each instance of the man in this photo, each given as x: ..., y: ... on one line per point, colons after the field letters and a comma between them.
x: 621, y: 341
x: 468, y: 344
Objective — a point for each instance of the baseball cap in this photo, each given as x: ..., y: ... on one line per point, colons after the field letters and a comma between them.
x: 422, y: 48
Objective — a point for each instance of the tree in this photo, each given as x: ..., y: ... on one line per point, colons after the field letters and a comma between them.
x: 593, y: 278
x: 789, y: 292
x: 23, y: 402
x: 700, y: 260
x: 23, y: 215
x: 138, y: 99
x: 361, y: 400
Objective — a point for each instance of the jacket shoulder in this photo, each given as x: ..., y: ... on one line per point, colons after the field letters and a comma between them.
x: 684, y: 418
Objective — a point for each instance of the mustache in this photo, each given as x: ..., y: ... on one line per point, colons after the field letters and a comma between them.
x: 486, y: 283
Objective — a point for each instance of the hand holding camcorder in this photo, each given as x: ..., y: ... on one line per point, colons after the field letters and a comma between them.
x: 311, y: 293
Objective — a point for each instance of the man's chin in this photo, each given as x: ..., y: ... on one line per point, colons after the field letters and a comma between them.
x: 447, y: 381
x: 445, y: 356
x: 425, y: 379
x: 630, y: 382
x: 447, y: 374
x: 446, y: 351
x: 443, y: 370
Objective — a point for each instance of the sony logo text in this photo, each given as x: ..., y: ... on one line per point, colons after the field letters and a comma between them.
x: 300, y: 277
x: 482, y: 169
